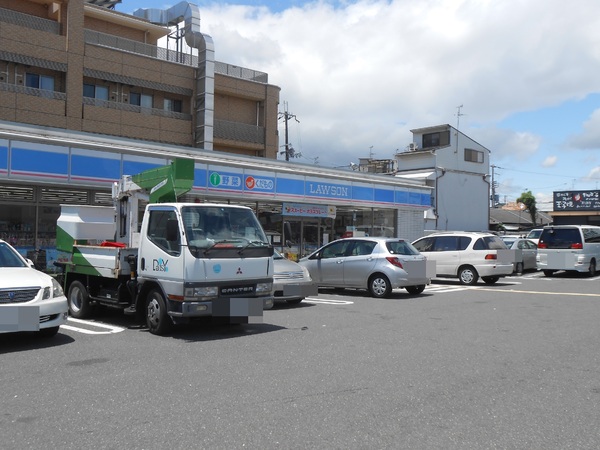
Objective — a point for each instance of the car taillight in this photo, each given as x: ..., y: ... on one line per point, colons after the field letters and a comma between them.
x: 394, y: 261
x: 577, y: 246
x: 542, y: 245
x: 491, y: 256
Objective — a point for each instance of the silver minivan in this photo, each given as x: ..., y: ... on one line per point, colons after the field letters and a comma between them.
x: 569, y: 247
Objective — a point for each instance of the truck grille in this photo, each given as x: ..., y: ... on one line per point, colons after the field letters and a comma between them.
x: 237, y: 291
x: 18, y: 295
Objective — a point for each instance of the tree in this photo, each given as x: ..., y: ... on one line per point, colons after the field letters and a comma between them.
x: 528, y: 200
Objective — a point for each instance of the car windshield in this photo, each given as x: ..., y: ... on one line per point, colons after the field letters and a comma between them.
x: 9, y: 257
x: 534, y: 234
x: 206, y: 226
x: 401, y: 248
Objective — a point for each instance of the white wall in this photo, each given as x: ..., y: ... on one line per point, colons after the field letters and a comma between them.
x: 462, y: 202
x: 411, y: 224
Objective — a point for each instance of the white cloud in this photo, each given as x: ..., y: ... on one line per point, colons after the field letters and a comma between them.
x: 550, y: 161
x: 589, y: 138
x: 365, y: 73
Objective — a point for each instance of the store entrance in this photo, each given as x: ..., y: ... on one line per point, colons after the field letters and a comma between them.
x: 302, y: 236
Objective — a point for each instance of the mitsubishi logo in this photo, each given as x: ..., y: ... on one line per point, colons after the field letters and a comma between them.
x: 239, y: 271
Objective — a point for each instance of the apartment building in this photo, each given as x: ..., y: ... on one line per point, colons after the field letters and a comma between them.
x: 78, y: 66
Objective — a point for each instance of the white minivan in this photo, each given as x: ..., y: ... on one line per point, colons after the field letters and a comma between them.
x: 467, y: 255
x: 569, y: 247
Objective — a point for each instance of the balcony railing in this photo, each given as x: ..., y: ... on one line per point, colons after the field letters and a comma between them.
x: 136, y: 109
x: 236, y: 131
x: 32, y: 91
x: 29, y: 21
x: 152, y: 51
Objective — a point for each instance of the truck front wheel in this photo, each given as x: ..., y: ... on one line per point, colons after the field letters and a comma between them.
x: 79, y: 301
x: 157, y: 319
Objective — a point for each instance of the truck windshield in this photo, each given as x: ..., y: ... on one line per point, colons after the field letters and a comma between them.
x: 208, y: 227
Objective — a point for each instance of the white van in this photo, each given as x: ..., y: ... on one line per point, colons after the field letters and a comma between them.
x: 569, y: 247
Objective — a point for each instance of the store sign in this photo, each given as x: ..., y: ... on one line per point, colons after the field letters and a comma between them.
x: 577, y: 201
x: 316, y: 189
x: 259, y: 183
x: 304, y: 210
x: 225, y: 180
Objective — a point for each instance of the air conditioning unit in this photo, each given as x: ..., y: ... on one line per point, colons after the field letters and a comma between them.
x: 412, y: 147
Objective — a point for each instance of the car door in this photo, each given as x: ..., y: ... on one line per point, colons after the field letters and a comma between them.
x: 359, y: 263
x: 330, y: 264
x: 529, y: 250
x: 447, y: 254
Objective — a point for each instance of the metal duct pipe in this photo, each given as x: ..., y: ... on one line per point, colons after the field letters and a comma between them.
x: 205, y: 75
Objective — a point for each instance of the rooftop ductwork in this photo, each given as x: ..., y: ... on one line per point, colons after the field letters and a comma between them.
x: 205, y: 77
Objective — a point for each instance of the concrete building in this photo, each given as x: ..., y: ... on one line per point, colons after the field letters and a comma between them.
x: 457, y: 168
x: 77, y: 66
x: 87, y: 95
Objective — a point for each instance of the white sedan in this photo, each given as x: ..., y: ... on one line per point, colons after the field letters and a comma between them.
x: 30, y: 300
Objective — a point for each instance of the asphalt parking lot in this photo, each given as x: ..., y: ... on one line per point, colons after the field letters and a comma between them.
x: 510, y: 365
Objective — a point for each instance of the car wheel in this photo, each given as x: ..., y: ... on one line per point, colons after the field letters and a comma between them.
x: 468, y: 275
x: 79, y: 301
x: 294, y: 301
x: 548, y: 273
x: 592, y: 269
x: 379, y: 286
x: 47, y: 332
x: 519, y: 268
x: 415, y: 290
x: 157, y: 319
x: 490, y: 280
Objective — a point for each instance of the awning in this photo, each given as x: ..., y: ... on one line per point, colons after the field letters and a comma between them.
x: 418, y: 175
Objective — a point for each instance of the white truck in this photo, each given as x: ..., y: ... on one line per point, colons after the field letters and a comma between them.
x: 186, y: 261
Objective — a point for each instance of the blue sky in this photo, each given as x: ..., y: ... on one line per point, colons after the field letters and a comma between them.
x: 360, y: 74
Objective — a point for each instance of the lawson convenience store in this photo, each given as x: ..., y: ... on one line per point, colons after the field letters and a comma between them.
x: 300, y: 206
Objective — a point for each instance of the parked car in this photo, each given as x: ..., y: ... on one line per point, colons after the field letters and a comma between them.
x: 569, y: 247
x: 376, y: 264
x: 467, y: 255
x: 30, y: 300
x: 291, y: 281
x: 534, y: 235
x: 525, y: 253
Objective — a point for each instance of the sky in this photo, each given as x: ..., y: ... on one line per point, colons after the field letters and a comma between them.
x: 358, y: 75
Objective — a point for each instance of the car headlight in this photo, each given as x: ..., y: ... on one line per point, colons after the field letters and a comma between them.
x: 306, y: 273
x: 53, y: 291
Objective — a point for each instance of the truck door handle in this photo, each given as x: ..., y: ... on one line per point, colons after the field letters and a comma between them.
x: 143, y: 264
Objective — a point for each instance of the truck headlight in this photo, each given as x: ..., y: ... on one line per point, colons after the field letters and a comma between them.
x: 262, y: 288
x: 201, y: 292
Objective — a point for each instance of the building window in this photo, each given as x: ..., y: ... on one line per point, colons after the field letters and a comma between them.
x: 37, y: 81
x: 95, y: 91
x: 473, y: 155
x: 143, y: 100
x: 172, y: 105
x: 439, y: 139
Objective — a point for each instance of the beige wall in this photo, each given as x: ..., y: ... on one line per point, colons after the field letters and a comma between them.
x: 236, y: 100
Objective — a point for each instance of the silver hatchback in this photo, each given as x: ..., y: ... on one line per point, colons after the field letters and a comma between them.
x: 376, y: 264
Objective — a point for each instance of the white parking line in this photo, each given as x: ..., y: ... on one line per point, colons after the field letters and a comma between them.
x: 327, y: 301
x: 111, y: 328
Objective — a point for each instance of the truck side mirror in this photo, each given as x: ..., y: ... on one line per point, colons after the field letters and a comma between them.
x: 172, y: 230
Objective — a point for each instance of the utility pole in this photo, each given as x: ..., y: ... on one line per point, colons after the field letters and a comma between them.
x: 458, y: 114
x: 289, y: 151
